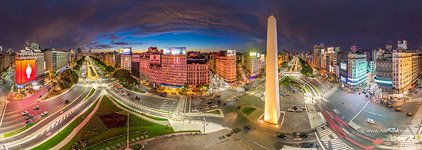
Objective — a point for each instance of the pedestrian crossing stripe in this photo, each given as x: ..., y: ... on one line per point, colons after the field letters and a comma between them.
x: 337, y: 144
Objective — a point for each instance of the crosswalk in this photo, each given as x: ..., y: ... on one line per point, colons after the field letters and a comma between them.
x: 330, y: 92
x: 331, y: 142
x: 337, y: 144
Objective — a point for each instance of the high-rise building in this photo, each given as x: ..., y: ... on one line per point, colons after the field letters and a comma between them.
x: 36, y: 54
x: 317, y: 51
x: 135, y: 66
x: 126, y: 58
x: 226, y: 65
x: 252, y: 63
x: 174, y: 70
x: 197, y: 69
x: 56, y: 60
x: 357, y: 69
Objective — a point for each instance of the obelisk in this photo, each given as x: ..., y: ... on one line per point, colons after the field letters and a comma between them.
x: 272, y: 99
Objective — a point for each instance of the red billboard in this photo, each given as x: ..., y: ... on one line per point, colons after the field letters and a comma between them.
x: 25, y: 71
x: 155, y: 59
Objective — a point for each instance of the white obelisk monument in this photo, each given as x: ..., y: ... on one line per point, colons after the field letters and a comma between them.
x: 272, y: 99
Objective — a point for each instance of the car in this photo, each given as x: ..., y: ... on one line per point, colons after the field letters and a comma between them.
x: 29, y: 117
x: 294, y: 107
x: 281, y: 136
x: 392, y: 130
x: 40, y: 96
x: 309, y: 145
x: 290, y: 110
x: 398, y: 109
x: 303, y: 135
x: 369, y: 120
x: 45, y: 113
x: 247, y: 128
x: 299, y: 110
x: 238, y: 108
x: 389, y: 105
x: 24, y: 113
x: 409, y: 114
x: 36, y: 107
x: 67, y: 101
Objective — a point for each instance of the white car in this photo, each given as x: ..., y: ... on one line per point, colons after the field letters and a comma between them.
x: 290, y: 110
x: 393, y: 130
x: 370, y: 121
x: 44, y: 113
x: 24, y: 113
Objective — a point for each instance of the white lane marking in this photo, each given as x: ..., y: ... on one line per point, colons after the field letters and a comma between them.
x: 372, y: 113
x: 261, y: 146
x: 359, y: 112
x: 323, y: 147
x: 4, y: 111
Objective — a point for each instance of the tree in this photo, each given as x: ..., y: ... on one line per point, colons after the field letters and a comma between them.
x: 124, y: 75
x: 68, y: 78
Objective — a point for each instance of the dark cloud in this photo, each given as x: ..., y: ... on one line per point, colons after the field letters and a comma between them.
x: 301, y: 24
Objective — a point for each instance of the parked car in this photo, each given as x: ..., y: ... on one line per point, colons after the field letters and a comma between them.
x: 247, y: 128
x: 24, y: 113
x: 290, y: 110
x: 309, y: 145
x: 369, y: 120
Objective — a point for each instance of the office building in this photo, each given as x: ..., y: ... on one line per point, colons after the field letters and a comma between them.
x: 226, y: 65
x: 56, y: 60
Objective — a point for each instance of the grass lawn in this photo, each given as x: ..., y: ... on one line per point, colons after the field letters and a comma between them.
x: 92, y: 92
x: 97, y: 135
x: 247, y: 110
x: 216, y: 111
x: 64, y: 132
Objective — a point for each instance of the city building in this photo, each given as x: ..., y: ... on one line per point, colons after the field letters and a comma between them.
x: 226, y: 65
x: 197, y: 69
x: 317, y: 51
x: 126, y: 58
x: 35, y: 54
x: 211, y: 60
x: 173, y: 65
x: 397, y: 71
x: 252, y: 63
x: 6, y: 59
x: 357, y: 70
x: 135, y: 66
x: 56, y: 60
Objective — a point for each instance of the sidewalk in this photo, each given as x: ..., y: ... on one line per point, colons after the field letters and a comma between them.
x: 79, y: 127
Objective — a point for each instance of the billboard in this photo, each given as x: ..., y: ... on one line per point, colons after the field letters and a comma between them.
x: 155, y: 59
x: 174, y: 51
x: 231, y: 52
x: 126, y: 51
x: 343, y: 66
x: 25, y: 71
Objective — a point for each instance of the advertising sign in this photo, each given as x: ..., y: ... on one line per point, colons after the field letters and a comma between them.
x: 231, y: 52
x: 127, y: 51
x: 25, y: 71
x: 155, y: 59
x: 175, y: 51
x: 343, y: 66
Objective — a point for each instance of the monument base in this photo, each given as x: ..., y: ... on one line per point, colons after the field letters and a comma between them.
x: 279, y: 123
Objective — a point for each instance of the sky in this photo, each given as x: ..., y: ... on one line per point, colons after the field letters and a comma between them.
x: 208, y: 25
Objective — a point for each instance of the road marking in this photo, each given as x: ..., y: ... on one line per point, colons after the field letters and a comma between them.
x: 372, y: 113
x: 261, y: 146
x: 4, y: 111
x: 359, y: 112
x: 323, y: 147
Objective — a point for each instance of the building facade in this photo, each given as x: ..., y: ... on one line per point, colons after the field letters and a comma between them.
x: 226, y: 65
x: 56, y: 60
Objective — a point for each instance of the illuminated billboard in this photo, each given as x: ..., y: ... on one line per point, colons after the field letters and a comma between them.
x: 231, y: 52
x: 126, y: 51
x: 343, y: 66
x: 155, y: 59
x: 174, y: 51
x: 25, y: 71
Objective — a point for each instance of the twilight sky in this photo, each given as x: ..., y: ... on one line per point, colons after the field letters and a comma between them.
x: 208, y: 24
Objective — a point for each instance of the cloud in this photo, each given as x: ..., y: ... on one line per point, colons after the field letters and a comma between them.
x: 301, y: 24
